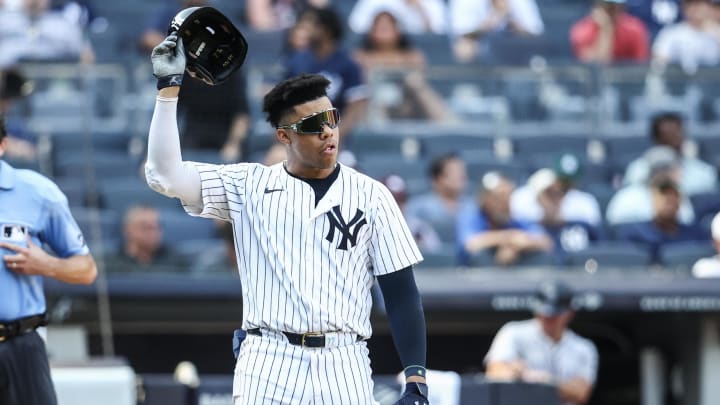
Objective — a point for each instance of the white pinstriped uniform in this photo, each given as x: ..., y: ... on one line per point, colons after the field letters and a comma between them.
x: 306, y: 269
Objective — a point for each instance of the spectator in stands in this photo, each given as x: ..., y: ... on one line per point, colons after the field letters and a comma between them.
x: 415, y: 16
x: 544, y: 349
x: 655, y: 14
x: 550, y: 197
x: 609, y: 35
x: 692, y: 43
x: 570, y: 216
x: 487, y: 227
x: 20, y: 142
x: 667, y: 129
x: 386, y: 46
x: 448, y: 177
x: 143, y: 247
x: 474, y: 19
x: 212, y: 118
x: 274, y: 15
x: 425, y: 236
x: 710, y: 266
x: 633, y: 203
x: 34, y: 32
x: 347, y: 91
x: 221, y: 258
x: 664, y: 228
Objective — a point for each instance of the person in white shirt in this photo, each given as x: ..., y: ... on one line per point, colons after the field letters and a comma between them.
x: 476, y: 17
x: 415, y: 16
x: 550, y: 197
x: 544, y: 349
x: 693, y: 42
x: 710, y: 266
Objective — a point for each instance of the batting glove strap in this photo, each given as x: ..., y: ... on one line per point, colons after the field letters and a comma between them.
x: 415, y: 371
x: 169, y: 81
x: 415, y: 394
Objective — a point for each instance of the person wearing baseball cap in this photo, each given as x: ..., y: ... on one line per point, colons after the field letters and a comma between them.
x: 710, y: 266
x: 665, y: 227
x: 544, y: 349
x: 609, y: 34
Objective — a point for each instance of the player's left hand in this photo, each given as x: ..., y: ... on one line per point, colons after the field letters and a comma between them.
x: 30, y: 260
x: 415, y: 394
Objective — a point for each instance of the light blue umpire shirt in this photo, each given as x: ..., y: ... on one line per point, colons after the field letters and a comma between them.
x: 31, y: 203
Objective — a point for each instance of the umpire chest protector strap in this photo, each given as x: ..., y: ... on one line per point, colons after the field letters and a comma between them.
x: 214, y: 47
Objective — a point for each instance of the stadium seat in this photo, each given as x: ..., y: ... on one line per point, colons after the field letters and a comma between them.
x: 266, y: 49
x: 109, y: 229
x: 79, y: 192
x: 709, y: 148
x: 121, y: 194
x: 610, y: 254
x: 436, y: 145
x: 543, y: 150
x: 683, y: 255
x: 705, y: 204
x: 444, y: 257
x: 486, y: 258
x: 179, y: 226
x: 103, y: 164
x: 512, y: 169
x: 414, y: 172
x: 373, y: 144
x: 621, y: 150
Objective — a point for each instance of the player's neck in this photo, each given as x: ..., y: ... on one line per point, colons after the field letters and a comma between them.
x: 309, y: 172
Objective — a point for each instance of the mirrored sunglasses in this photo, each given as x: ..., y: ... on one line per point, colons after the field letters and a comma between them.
x: 313, y: 124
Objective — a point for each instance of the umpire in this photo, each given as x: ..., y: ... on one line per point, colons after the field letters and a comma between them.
x: 33, y: 211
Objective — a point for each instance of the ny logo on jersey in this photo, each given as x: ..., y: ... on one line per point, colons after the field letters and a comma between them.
x: 337, y: 222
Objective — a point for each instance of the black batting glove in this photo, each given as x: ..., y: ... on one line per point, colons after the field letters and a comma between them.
x: 168, y: 61
x: 415, y: 394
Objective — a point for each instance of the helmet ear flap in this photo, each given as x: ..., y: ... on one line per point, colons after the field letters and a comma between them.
x: 214, y: 47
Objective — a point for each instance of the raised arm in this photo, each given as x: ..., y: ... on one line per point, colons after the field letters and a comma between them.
x: 165, y: 171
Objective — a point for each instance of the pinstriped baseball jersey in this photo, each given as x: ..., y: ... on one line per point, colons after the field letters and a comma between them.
x: 307, y: 268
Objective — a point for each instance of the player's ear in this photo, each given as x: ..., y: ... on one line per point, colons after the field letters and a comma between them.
x: 282, y: 136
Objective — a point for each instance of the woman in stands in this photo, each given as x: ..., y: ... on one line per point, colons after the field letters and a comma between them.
x: 396, y: 67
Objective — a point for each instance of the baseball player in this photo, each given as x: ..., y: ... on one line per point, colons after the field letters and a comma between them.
x: 311, y: 235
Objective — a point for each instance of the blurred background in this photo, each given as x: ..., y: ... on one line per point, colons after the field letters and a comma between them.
x: 587, y: 128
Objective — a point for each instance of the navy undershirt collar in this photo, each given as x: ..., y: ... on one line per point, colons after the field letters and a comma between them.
x: 319, y: 186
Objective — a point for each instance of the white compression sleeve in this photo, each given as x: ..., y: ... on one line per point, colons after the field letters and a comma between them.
x: 165, y: 171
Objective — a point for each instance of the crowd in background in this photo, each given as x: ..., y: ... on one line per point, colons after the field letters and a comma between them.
x: 548, y: 215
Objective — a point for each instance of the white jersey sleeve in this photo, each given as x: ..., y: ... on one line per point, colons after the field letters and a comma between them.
x: 223, y: 190
x: 393, y: 246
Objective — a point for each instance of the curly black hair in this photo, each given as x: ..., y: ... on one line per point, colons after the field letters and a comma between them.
x: 281, y: 100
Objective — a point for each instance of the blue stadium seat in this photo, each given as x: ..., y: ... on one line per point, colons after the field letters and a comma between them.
x: 610, y: 254
x: 266, y: 47
x: 123, y: 193
x: 104, y: 165
x: 79, y: 192
x: 486, y: 258
x: 705, y: 204
x: 512, y: 169
x: 538, y: 151
x: 683, y: 255
x: 179, y: 226
x: 444, y: 257
x: 436, y: 145
x: 437, y: 48
x: 108, y: 224
x: 374, y: 144
x: 621, y: 150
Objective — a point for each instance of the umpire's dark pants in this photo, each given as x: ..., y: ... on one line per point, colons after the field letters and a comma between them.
x: 25, y: 372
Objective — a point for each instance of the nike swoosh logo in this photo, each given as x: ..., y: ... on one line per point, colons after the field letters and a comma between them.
x: 272, y: 190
